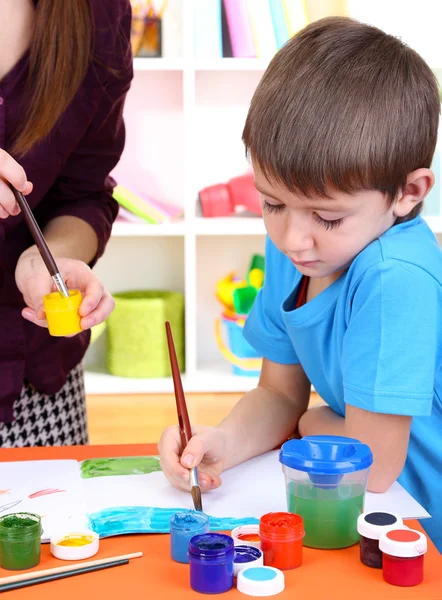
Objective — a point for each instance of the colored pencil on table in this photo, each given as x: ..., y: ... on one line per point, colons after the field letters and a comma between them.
x: 26, y: 579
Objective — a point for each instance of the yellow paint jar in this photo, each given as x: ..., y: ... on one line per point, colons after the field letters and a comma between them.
x: 75, y: 545
x: 62, y: 314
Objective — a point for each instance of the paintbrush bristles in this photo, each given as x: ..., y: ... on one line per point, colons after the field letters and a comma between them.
x: 196, y: 497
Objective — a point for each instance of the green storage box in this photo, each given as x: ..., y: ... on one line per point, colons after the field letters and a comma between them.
x: 137, y: 343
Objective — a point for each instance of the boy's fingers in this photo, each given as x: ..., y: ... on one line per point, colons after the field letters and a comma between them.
x: 169, y: 448
x: 194, y: 452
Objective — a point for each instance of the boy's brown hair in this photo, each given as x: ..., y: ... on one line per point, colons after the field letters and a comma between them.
x: 343, y: 105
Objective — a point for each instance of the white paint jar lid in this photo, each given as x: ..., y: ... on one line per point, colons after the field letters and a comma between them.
x: 260, y: 581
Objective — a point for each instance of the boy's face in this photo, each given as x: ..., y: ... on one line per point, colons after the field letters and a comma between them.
x: 322, y: 236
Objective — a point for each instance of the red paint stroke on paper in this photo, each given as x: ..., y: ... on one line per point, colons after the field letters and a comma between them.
x: 45, y: 493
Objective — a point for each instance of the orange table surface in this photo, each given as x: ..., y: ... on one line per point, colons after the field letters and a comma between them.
x: 324, y: 574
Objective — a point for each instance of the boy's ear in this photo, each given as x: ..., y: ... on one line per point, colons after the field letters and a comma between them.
x: 418, y: 184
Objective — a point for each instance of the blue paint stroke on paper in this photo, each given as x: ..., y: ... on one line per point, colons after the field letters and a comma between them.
x: 143, y: 519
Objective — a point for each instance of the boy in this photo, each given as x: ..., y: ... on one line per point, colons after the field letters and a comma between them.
x: 341, y: 132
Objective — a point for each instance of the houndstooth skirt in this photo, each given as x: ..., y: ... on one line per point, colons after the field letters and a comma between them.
x: 42, y: 420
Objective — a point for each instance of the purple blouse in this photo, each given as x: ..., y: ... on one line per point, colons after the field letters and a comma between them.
x: 70, y: 172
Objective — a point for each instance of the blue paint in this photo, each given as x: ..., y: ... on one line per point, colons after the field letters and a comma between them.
x: 183, y: 526
x: 245, y: 554
x: 211, y: 563
x: 123, y: 520
x: 259, y: 574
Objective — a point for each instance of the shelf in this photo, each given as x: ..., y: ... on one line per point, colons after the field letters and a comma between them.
x: 121, y: 229
x: 201, y: 381
x: 232, y: 64
x: 229, y: 226
x: 158, y: 64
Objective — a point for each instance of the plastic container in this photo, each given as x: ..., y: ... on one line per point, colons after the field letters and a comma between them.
x: 326, y: 478
x: 137, y: 343
x: 246, y: 556
x: 281, y: 540
x: 75, y: 545
x: 183, y: 526
x: 244, y: 359
x: 246, y: 534
x: 63, y: 314
x: 211, y: 558
x: 403, y: 556
x: 371, y: 526
x: 20, y: 541
x: 260, y: 581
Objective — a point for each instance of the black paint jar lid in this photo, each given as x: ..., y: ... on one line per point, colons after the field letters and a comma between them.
x: 373, y: 524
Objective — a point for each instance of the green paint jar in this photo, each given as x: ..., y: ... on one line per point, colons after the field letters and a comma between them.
x: 326, y: 478
x: 20, y: 541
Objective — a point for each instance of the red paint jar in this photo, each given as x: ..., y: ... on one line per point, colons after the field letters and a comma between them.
x: 403, y: 556
x: 281, y: 536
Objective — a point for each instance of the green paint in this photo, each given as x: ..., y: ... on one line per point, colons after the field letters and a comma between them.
x: 20, y: 541
x: 126, y: 465
x: 14, y: 522
x: 330, y: 515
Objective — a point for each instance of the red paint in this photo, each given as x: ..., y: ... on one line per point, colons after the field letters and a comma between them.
x: 403, y: 571
x: 281, y: 540
x: 45, y: 493
x: 248, y: 537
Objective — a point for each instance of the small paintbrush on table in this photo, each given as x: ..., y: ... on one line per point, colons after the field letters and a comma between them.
x: 40, y: 242
x: 183, y: 417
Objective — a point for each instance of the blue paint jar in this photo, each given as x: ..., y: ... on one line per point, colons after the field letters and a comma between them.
x: 183, y: 526
x: 211, y: 558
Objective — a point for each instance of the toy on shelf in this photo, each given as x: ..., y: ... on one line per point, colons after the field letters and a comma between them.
x: 237, y: 296
x: 224, y: 199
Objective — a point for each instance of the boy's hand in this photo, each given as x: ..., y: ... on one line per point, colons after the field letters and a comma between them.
x: 34, y: 282
x: 206, y: 450
x: 11, y: 172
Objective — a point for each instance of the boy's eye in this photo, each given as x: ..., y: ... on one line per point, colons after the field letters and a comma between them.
x: 272, y: 208
x: 327, y: 224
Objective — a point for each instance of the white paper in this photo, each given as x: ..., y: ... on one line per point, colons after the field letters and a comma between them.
x: 249, y: 490
x: 59, y: 510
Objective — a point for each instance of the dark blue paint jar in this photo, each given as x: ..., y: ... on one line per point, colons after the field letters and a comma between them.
x: 211, y: 558
x: 183, y: 526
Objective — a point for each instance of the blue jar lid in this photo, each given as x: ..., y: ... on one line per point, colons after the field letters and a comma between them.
x: 326, y: 454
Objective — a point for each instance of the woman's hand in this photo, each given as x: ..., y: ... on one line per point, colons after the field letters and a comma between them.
x: 34, y: 282
x: 11, y: 172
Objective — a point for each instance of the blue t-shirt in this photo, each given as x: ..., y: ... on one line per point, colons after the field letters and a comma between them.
x: 372, y: 339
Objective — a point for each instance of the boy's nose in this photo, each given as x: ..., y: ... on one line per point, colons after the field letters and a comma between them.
x: 298, y: 240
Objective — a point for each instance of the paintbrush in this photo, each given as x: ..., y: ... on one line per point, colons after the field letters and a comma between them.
x: 25, y: 579
x: 183, y: 417
x: 40, y: 242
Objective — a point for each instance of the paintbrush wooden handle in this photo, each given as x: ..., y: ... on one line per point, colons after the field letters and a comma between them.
x: 68, y: 568
x: 183, y: 416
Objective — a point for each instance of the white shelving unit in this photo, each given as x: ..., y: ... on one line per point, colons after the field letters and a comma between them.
x: 184, y: 119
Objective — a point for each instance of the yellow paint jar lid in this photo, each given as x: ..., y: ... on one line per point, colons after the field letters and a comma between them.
x: 75, y: 545
x: 62, y: 314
